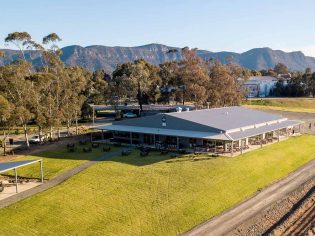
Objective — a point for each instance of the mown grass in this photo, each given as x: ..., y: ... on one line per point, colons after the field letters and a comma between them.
x: 284, y: 104
x: 58, y: 161
x: 154, y: 195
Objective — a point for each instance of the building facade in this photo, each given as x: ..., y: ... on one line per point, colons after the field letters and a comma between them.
x: 217, y: 130
x: 261, y: 86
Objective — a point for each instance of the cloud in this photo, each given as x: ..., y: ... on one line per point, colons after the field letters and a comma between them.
x: 308, y: 50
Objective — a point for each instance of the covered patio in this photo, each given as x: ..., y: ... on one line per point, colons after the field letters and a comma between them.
x: 232, y: 144
x: 221, y: 131
x: 15, y: 165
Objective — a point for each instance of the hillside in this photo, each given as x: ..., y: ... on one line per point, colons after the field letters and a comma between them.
x: 97, y: 57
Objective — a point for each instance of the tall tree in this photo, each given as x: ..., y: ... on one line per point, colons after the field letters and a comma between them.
x: 18, y: 90
x: 223, y: 88
x: 6, y: 121
x: 281, y: 68
x: 192, y: 77
x: 20, y: 40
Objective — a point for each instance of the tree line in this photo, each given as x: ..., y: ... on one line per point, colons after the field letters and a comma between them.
x: 301, y: 84
x: 53, y: 95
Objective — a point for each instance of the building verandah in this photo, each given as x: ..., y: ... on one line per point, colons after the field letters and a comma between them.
x: 204, y: 145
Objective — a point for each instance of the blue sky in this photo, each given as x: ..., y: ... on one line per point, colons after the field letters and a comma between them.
x: 221, y: 25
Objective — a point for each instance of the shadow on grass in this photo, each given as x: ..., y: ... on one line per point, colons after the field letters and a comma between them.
x: 134, y: 158
x: 155, y: 156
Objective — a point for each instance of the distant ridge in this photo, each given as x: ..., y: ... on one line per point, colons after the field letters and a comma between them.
x: 102, y: 57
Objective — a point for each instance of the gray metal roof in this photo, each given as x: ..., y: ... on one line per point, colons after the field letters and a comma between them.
x: 168, y: 132
x: 263, y: 129
x: 144, y: 107
x: 227, y: 123
x: 227, y: 118
x: 7, y: 166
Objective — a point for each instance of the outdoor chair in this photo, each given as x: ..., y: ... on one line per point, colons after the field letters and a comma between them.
x: 1, y: 187
x: 95, y: 145
x: 71, y: 149
x: 144, y: 149
x: 117, y: 144
x: 82, y: 142
x: 106, y: 149
x: 87, y: 149
x: 144, y: 154
x: 125, y: 152
x: 182, y: 151
x: 70, y: 145
x: 164, y: 152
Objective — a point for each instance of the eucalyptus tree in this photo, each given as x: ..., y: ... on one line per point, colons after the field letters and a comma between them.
x: 223, y: 88
x: 138, y: 79
x: 20, y: 40
x: 100, y: 93
x: 18, y: 90
x: 6, y: 120
x: 43, y: 105
x: 74, y: 82
x: 169, y: 77
x: 192, y: 76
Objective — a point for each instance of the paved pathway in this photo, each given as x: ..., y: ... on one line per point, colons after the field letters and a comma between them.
x: 228, y: 220
x: 55, y: 181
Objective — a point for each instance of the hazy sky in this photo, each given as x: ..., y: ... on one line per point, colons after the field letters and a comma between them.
x: 229, y: 25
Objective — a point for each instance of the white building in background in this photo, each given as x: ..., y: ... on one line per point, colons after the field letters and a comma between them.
x: 261, y: 86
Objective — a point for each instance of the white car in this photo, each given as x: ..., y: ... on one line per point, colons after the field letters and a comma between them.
x: 35, y: 139
x: 130, y: 115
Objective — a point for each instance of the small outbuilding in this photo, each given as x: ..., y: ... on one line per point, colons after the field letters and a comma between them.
x: 14, y: 165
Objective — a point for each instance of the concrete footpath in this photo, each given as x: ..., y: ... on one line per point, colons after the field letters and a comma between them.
x: 230, y: 219
x: 55, y: 181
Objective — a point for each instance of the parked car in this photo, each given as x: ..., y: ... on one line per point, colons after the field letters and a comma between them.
x: 35, y: 139
x: 130, y: 115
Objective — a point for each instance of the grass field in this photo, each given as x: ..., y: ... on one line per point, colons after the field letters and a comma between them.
x: 284, y: 104
x: 57, y: 161
x: 154, y: 195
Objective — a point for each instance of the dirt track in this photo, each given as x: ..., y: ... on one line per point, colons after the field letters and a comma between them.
x: 292, y: 215
x: 300, y: 220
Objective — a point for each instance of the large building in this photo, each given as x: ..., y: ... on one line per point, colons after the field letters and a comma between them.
x: 218, y: 130
x: 261, y: 86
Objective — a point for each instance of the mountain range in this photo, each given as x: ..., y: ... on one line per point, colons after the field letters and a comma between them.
x: 102, y: 57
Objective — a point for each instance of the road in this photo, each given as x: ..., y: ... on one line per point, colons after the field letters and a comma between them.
x: 19, y: 140
x: 228, y: 220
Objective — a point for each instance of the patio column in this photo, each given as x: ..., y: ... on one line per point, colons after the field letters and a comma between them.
x: 102, y: 134
x: 232, y: 148
x: 41, y: 171
x: 154, y: 139
x: 130, y: 138
x: 215, y: 146
x: 177, y: 144
x: 241, y: 146
x: 16, y: 180
x: 261, y: 138
x: 278, y: 133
